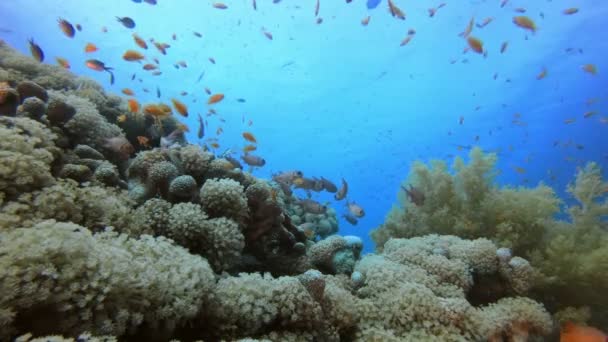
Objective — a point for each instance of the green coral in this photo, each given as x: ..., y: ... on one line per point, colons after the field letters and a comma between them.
x: 60, y: 278
x: 468, y: 204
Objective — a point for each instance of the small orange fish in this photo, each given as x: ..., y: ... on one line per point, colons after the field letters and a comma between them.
x: 542, y: 74
x: 66, y: 28
x: 140, y: 42
x: 485, y: 22
x: 90, y: 47
x: 154, y: 111
x: 215, y: 98
x: 519, y: 170
x: 133, y: 105
x: 365, y: 21
x: 570, y: 11
x: 121, y: 118
x: 180, y: 107
x: 589, y: 114
x: 250, y: 137
x: 590, y: 68
x: 525, y: 23
x: 160, y: 47
x: 406, y: 40
x: 150, y: 66
x: 143, y: 141
x: 395, y: 11
x: 63, y: 62
x: 569, y: 121
x: 208, y: 91
x: 475, y: 44
x: 467, y: 31
x: 249, y: 148
x: 504, y: 46
x: 220, y: 5
x: 215, y: 145
x: 132, y: 56
x: 571, y: 332
x: 128, y: 92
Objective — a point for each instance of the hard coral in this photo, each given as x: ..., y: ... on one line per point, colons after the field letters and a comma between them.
x: 224, y: 198
x: 59, y: 278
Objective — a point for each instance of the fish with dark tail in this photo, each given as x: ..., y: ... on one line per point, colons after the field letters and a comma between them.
x: 98, y: 65
x: 341, y: 194
x: 36, y: 51
x: 415, y: 195
x: 126, y: 22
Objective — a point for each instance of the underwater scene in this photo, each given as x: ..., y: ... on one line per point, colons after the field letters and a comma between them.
x: 303, y: 170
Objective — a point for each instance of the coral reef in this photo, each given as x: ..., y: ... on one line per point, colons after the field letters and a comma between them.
x: 570, y: 257
x: 100, y: 240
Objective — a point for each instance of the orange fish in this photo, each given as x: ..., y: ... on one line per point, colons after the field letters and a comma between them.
x: 571, y: 332
x: 395, y: 11
x: 155, y: 111
x: 63, y: 62
x: 525, y: 23
x: 132, y: 56
x: 467, y: 31
x: 160, y: 47
x: 143, y: 141
x: 220, y: 5
x: 249, y: 137
x: 215, y: 98
x: 180, y: 107
x: 90, y: 47
x: 503, y: 47
x: 150, y: 66
x: 475, y: 44
x: 590, y: 68
x: 542, y: 74
x: 589, y: 114
x: 66, y: 27
x: 406, y: 40
x: 139, y: 41
x: 249, y: 148
x: 215, y: 145
x: 133, y: 105
x: 365, y: 20
x: 128, y: 92
x: 571, y: 10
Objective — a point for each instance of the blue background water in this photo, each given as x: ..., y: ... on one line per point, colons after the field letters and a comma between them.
x: 343, y: 100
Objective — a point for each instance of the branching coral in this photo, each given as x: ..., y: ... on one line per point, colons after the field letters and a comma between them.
x: 408, y: 294
x: 59, y: 278
x: 468, y: 204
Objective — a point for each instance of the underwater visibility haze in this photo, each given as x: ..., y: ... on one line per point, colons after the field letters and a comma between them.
x: 286, y: 170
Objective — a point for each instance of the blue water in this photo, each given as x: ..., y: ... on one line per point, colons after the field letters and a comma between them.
x: 339, y: 99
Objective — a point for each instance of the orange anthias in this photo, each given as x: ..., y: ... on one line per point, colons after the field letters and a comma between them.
x: 215, y: 98
x: 579, y: 333
x: 180, y: 107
